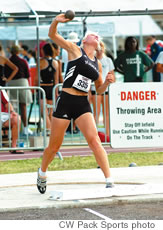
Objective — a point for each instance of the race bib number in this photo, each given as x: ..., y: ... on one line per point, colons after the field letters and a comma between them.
x: 82, y: 83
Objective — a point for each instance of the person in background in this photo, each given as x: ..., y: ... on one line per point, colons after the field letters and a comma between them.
x: 107, y: 67
x: 132, y: 62
x: 155, y: 49
x: 8, y: 52
x: 24, y: 97
x: 120, y: 49
x: 24, y: 52
x: 5, y: 61
x: 2, y: 52
x: 56, y: 54
x: 83, y: 68
x: 32, y: 58
x: 48, y: 79
x: 8, y: 113
x: 42, y: 43
x: 159, y: 65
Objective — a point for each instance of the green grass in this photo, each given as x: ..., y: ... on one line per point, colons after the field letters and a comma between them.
x: 76, y: 162
x: 141, y: 159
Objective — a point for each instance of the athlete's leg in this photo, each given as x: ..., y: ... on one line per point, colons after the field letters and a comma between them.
x: 86, y: 124
x: 58, y: 128
x: 96, y: 101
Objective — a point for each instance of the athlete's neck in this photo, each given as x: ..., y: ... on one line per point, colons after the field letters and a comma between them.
x: 90, y: 51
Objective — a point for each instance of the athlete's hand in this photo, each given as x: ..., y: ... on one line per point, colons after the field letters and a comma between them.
x: 110, y: 78
x: 61, y: 18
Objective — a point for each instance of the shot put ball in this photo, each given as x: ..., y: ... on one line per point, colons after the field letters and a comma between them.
x: 70, y: 14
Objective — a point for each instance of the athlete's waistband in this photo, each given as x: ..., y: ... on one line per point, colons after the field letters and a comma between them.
x: 70, y: 97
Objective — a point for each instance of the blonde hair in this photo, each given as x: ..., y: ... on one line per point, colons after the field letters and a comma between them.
x: 102, y: 44
x: 103, y: 47
x: 91, y: 33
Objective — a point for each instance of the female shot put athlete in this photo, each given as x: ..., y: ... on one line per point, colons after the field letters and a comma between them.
x: 82, y: 69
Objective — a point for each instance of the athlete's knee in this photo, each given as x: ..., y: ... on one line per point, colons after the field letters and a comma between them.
x: 94, y: 141
x: 52, y: 150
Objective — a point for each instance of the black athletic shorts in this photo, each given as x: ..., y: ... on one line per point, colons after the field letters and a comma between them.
x: 70, y: 106
x: 48, y: 92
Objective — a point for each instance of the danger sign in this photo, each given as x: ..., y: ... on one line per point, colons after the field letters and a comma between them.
x: 136, y: 114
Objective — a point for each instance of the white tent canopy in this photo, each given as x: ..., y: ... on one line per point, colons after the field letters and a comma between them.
x: 122, y: 26
x: 106, y: 27
x: 91, y: 5
x: 17, y: 6
x: 129, y: 25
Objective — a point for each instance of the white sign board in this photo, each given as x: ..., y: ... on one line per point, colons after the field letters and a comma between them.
x: 136, y: 114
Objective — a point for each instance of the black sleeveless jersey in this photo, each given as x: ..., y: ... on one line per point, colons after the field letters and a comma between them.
x: 81, y: 72
x: 47, y: 74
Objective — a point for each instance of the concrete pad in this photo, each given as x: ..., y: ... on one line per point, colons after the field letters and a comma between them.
x: 101, y: 192
x: 19, y: 191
